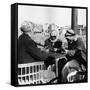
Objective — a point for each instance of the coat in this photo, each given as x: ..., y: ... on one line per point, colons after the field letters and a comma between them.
x: 28, y: 51
x: 49, y: 45
x: 80, y: 51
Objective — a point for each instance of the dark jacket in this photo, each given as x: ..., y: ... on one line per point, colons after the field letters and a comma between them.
x: 80, y: 51
x: 28, y: 51
x: 49, y: 45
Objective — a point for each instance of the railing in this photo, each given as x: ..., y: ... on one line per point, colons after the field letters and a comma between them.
x: 30, y: 73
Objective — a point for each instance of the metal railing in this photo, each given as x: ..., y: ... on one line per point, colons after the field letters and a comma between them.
x: 30, y: 73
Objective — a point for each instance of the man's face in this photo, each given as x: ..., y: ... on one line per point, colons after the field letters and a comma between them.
x: 53, y: 37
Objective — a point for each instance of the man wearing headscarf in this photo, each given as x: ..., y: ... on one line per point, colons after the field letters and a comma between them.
x: 54, y: 38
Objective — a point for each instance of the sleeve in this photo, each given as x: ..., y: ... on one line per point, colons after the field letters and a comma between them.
x: 81, y: 51
x: 46, y: 43
x: 80, y: 44
x: 33, y: 50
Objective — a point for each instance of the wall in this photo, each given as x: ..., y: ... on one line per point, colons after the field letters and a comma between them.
x: 42, y: 15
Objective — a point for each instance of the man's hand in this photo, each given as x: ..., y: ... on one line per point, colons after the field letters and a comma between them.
x: 71, y: 52
x: 55, y: 49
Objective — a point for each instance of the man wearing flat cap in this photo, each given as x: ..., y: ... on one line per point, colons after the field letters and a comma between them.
x: 76, y: 47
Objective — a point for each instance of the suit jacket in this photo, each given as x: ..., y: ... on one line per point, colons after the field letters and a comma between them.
x: 28, y: 51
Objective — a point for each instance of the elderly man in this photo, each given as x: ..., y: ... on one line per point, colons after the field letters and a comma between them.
x: 27, y: 48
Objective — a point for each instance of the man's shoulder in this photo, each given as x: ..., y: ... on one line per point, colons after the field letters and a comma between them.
x: 47, y: 41
x: 24, y: 37
x: 79, y: 39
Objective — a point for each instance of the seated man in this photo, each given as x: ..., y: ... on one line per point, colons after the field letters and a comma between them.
x: 76, y: 55
x: 53, y: 43
x: 27, y: 48
x: 76, y: 48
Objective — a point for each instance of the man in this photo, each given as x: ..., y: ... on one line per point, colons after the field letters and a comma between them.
x: 76, y: 54
x: 49, y: 43
x: 27, y: 48
x: 76, y: 48
x: 53, y: 43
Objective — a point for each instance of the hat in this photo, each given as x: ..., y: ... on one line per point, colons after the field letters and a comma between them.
x: 69, y: 33
x: 54, y: 33
x: 27, y: 26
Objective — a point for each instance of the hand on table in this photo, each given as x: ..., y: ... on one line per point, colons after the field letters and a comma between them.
x: 71, y: 52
